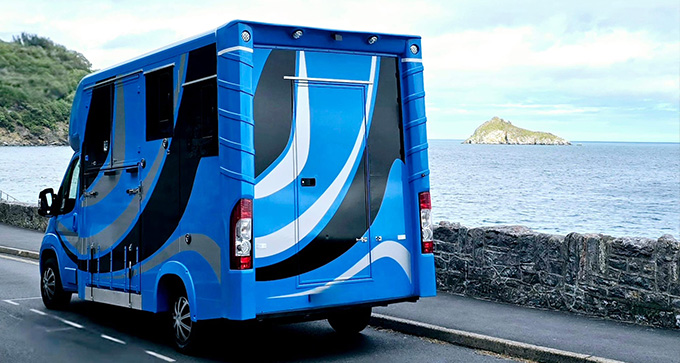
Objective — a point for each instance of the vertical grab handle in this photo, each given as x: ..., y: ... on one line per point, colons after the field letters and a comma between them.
x: 99, y: 255
x: 125, y: 281
x: 139, y: 270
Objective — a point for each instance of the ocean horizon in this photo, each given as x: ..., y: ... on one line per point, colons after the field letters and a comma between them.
x: 580, y: 141
x: 615, y: 188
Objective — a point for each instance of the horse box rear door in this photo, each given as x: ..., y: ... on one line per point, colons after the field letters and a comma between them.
x: 311, y: 164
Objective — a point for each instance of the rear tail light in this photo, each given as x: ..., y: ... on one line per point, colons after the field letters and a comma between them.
x: 241, y: 254
x: 426, y: 234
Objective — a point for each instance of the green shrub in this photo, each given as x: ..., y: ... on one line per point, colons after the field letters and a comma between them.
x: 38, y: 79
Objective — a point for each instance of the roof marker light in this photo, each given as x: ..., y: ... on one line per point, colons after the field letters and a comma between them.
x: 414, y: 48
x: 245, y: 35
x: 297, y: 34
x: 372, y: 39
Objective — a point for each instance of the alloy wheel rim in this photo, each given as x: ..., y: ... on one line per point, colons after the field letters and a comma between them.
x: 181, y: 317
x: 48, y: 283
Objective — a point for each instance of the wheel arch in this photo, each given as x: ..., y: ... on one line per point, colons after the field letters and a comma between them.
x: 172, y: 277
x: 45, y: 255
x: 49, y: 249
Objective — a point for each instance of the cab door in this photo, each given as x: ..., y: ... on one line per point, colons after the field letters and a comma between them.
x: 67, y: 219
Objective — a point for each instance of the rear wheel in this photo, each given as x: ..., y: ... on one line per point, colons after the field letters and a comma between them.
x: 184, y: 330
x: 53, y: 295
x: 351, y: 321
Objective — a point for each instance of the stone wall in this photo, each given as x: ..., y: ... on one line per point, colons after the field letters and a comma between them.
x: 628, y: 279
x: 22, y: 215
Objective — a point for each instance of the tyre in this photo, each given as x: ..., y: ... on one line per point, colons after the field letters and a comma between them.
x: 186, y: 333
x: 53, y: 295
x: 351, y: 321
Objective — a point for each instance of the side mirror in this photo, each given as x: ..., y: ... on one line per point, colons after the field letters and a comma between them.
x: 46, y: 201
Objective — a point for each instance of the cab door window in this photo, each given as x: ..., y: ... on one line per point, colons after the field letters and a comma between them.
x: 68, y: 192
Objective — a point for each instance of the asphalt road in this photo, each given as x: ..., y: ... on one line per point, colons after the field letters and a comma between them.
x: 94, y: 332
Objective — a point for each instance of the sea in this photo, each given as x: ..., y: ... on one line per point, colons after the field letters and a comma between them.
x: 620, y: 189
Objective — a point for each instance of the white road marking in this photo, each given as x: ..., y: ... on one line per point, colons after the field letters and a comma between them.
x: 16, y: 317
x: 58, y: 329
x: 112, y: 339
x: 167, y: 359
x: 27, y: 298
x: 11, y: 302
x: 19, y: 260
x: 75, y: 325
x: 38, y: 312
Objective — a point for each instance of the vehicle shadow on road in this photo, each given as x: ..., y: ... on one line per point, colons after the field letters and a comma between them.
x: 236, y: 341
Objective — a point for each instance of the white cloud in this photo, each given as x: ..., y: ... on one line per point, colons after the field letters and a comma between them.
x: 502, y: 48
x: 535, y: 109
x: 575, y: 59
x: 599, y: 49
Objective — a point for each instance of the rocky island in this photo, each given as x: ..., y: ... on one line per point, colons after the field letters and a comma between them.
x: 499, y: 131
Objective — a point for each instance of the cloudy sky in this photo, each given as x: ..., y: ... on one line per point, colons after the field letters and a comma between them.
x: 582, y: 69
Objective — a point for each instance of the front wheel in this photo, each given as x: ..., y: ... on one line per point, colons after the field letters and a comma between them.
x: 351, y: 321
x: 53, y: 295
x: 184, y: 330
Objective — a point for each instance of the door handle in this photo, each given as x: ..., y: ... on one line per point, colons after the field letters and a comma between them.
x: 362, y: 239
x: 90, y: 194
x: 133, y: 191
x: 75, y: 222
x: 308, y: 182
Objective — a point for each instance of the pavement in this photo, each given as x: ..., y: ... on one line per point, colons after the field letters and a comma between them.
x: 20, y: 238
x: 564, y: 331
x: 505, y: 329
